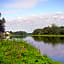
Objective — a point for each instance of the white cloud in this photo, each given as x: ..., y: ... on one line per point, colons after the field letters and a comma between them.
x: 23, y: 3
x: 29, y: 23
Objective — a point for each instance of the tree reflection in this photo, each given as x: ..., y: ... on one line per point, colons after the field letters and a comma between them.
x: 50, y: 40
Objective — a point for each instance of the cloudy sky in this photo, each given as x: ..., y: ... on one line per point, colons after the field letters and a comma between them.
x: 28, y: 15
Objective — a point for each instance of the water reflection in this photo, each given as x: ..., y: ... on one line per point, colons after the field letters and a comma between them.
x: 15, y: 37
x: 50, y: 40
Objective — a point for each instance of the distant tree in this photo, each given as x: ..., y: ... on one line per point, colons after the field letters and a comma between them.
x: 54, y: 25
x: 62, y: 32
x: 62, y: 27
x: 53, y: 29
x: 11, y: 32
x: 19, y: 33
x: 37, y: 31
x: 3, y: 20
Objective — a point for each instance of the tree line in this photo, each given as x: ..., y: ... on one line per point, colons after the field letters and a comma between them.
x: 50, y: 30
x: 19, y: 33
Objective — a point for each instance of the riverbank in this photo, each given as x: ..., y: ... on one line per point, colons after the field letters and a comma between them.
x: 49, y: 35
x: 19, y: 52
x: 39, y: 35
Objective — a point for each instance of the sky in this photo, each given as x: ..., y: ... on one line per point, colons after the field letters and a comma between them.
x: 25, y: 12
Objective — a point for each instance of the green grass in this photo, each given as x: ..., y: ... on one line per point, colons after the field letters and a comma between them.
x: 49, y: 35
x: 19, y: 52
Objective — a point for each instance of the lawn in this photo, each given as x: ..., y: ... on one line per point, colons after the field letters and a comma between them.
x: 19, y: 52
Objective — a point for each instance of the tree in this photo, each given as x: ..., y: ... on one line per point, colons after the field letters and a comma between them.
x: 2, y: 27
x: 0, y: 14
x: 37, y: 31
x: 49, y: 30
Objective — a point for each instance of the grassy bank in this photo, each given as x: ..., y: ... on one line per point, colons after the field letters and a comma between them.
x: 19, y: 52
x: 49, y: 35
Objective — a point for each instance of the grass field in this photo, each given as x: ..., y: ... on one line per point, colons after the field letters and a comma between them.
x: 19, y: 52
x: 49, y: 35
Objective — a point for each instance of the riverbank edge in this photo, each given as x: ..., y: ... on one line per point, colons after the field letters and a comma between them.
x: 41, y: 35
x: 49, y: 35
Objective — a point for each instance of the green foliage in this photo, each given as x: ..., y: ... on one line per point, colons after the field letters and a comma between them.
x: 2, y: 21
x: 19, y: 33
x: 50, y: 30
x: 37, y: 31
x: 19, y: 52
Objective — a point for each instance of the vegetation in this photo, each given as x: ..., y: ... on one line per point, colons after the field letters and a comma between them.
x: 49, y: 35
x: 50, y: 30
x: 18, y: 33
x: 2, y: 21
x: 2, y: 27
x: 19, y: 52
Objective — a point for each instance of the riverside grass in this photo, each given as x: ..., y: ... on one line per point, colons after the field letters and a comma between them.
x: 19, y: 52
x: 49, y: 35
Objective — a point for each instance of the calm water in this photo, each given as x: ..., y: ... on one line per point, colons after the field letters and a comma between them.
x: 50, y: 46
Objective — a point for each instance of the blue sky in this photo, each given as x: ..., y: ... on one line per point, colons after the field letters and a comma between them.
x: 17, y: 8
